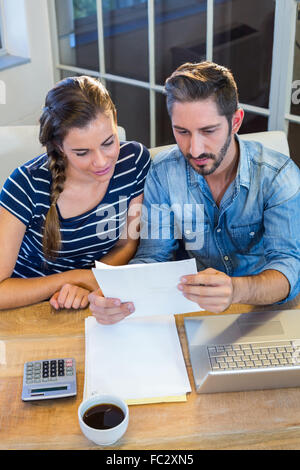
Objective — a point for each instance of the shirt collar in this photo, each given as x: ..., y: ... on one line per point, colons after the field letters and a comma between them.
x: 244, y: 163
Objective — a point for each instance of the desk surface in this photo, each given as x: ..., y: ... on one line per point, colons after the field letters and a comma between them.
x: 267, y: 419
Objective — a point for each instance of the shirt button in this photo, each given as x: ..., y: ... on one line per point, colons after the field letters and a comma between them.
x: 218, y: 230
x: 252, y: 234
x: 226, y: 258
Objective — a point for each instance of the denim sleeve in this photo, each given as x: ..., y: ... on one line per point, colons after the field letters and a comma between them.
x: 157, y: 237
x: 282, y: 229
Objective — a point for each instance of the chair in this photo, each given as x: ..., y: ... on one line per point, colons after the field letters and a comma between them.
x: 20, y: 144
x: 275, y: 140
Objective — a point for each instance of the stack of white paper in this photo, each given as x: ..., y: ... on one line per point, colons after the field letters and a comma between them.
x: 139, y: 359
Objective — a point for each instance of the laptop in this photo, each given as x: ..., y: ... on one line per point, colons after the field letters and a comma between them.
x: 250, y: 351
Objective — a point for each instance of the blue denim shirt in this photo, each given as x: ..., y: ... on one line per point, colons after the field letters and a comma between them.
x: 255, y: 228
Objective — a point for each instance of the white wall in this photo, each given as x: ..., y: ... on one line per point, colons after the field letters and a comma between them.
x: 27, y: 85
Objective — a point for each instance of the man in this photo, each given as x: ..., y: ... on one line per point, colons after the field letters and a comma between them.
x: 247, y: 235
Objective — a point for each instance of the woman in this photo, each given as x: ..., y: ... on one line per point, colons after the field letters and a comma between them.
x: 74, y: 204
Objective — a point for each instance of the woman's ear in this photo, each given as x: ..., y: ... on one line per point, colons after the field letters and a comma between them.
x: 58, y: 147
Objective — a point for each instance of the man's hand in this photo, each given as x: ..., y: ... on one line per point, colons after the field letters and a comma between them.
x: 70, y: 296
x: 108, y: 311
x: 212, y: 290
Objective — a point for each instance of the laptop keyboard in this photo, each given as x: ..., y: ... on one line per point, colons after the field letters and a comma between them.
x: 254, y: 355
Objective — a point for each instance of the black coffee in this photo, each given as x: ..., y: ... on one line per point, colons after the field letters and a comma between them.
x: 103, y: 416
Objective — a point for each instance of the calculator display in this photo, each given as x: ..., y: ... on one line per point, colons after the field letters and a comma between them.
x: 50, y: 389
x: 49, y: 378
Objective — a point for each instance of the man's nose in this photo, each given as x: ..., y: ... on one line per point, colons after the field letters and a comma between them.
x: 196, y: 145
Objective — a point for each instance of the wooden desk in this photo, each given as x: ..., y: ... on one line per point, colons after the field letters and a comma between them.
x: 267, y: 419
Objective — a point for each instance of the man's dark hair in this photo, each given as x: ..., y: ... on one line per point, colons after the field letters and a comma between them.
x: 194, y: 82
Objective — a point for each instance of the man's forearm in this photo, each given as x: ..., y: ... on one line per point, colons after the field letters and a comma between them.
x: 265, y: 288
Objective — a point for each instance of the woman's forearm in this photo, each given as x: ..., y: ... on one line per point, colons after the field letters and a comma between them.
x: 127, y: 245
x: 121, y: 254
x: 18, y: 292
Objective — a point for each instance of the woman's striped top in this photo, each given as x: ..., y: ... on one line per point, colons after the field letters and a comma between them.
x: 85, y: 238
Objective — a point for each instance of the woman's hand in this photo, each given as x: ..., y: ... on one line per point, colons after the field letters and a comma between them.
x: 108, y: 311
x: 70, y: 296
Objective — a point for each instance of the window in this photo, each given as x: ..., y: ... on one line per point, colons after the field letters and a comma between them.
x: 134, y: 45
x: 294, y: 112
x: 14, y: 39
x: 2, y: 46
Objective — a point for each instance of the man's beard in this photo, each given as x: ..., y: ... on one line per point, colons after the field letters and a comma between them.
x: 217, y: 159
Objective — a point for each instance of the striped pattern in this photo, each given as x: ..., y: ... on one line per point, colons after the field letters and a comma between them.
x: 85, y: 238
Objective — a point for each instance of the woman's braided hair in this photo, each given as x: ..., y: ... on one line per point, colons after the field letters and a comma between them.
x: 73, y: 103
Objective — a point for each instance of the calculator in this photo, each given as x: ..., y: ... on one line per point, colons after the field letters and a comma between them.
x: 49, y: 378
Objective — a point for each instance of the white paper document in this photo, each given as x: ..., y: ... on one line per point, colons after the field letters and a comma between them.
x: 151, y: 287
x: 140, y: 359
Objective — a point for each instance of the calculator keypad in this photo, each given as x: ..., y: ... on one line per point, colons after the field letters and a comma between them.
x: 48, y: 371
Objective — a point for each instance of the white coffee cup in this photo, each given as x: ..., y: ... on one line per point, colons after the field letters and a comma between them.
x: 103, y: 437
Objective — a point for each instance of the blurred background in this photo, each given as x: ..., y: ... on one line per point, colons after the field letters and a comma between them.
x: 134, y: 45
